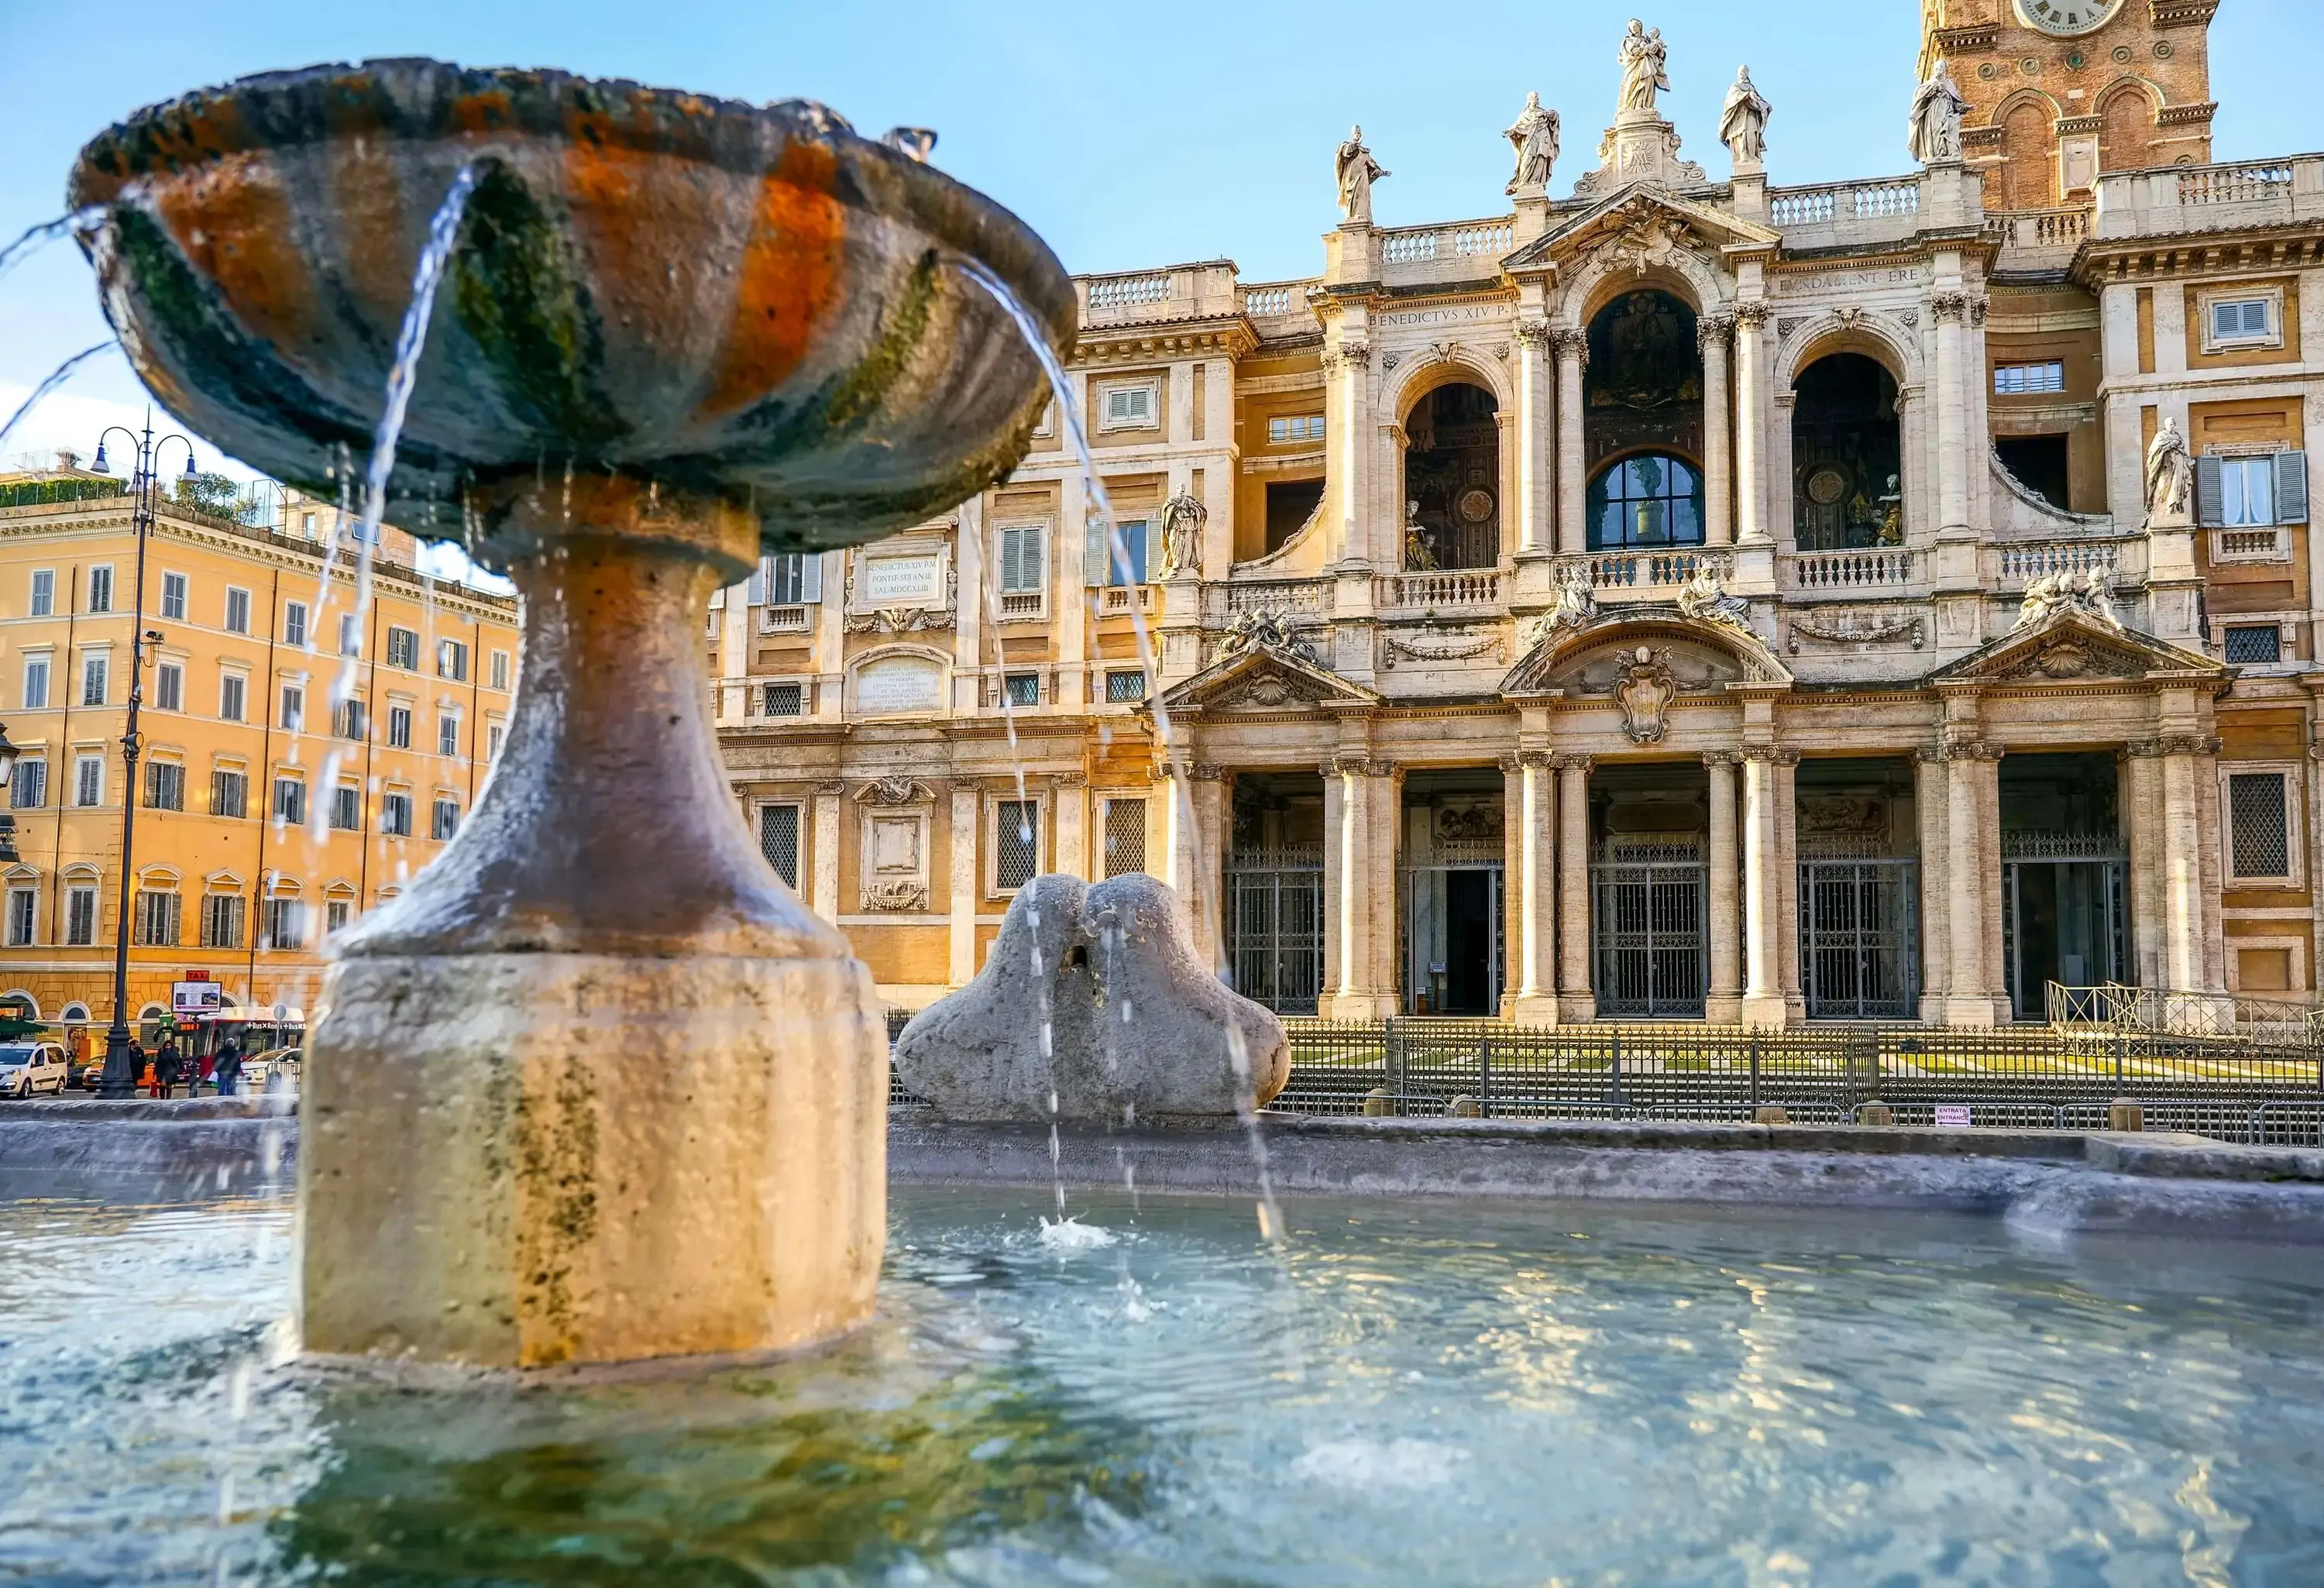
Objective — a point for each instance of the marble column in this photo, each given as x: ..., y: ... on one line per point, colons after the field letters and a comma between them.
x: 1723, y: 1006
x: 1763, y: 993
x: 1536, y: 427
x: 1347, y: 370
x: 1531, y: 784
x: 1572, y: 469
x: 1386, y: 799
x: 1366, y: 900
x: 1751, y: 419
x: 2140, y: 786
x: 2182, y: 863
x: 1973, y: 868
x: 961, y: 961
x: 1335, y: 875
x: 1718, y: 459
x: 823, y: 896
x: 1949, y: 309
x: 1575, y: 999
x: 1787, y: 882
x: 1929, y: 800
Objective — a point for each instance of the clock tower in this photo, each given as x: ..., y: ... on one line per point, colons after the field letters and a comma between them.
x: 2061, y: 90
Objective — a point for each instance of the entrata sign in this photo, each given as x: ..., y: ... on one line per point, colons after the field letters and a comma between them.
x: 195, y: 998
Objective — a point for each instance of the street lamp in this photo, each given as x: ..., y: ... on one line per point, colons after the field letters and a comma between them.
x: 119, y: 1080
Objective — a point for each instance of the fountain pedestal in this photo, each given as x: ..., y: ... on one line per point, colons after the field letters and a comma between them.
x: 597, y: 1087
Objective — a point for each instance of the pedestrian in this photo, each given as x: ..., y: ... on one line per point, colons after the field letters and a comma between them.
x: 168, y: 1067
x: 229, y: 1067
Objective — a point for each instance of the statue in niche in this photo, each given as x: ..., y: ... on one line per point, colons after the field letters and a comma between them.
x: 1183, y: 518
x: 1743, y: 125
x: 1357, y: 172
x: 2170, y: 473
x: 1534, y: 136
x: 1892, y: 514
x: 1644, y: 57
x: 1936, y: 118
x: 1419, y: 552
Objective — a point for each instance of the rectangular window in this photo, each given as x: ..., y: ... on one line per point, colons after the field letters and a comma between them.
x: 157, y: 920
x: 447, y: 734
x: 395, y: 815
x: 36, y: 683
x: 403, y: 649
x: 348, y: 722
x: 500, y: 670
x: 173, y: 597
x: 294, y: 707
x: 1284, y: 429
x: 294, y: 622
x: 494, y: 734
x: 80, y: 917
x: 290, y: 800
x: 1017, y: 848
x: 1125, y: 557
x: 286, y: 925
x: 1021, y: 688
x: 22, y: 902
x: 2021, y: 380
x: 442, y: 819
x: 1024, y: 556
x: 779, y: 840
x: 2259, y: 643
x: 786, y: 699
x: 28, y: 786
x: 1125, y: 836
x: 2243, y: 319
x: 229, y: 794
x: 350, y: 635
x: 165, y: 786
x: 89, y: 780
x: 92, y: 680
x: 399, y: 727
x: 452, y: 660
x: 2259, y: 826
x: 222, y: 921
x: 336, y: 914
x: 100, y: 589
x: 347, y: 807
x: 1128, y: 685
x: 169, y: 687
x: 786, y: 579
x: 1128, y: 407
x: 307, y: 525
x: 232, y: 687
x: 44, y: 591
x: 237, y: 611
x: 2246, y: 491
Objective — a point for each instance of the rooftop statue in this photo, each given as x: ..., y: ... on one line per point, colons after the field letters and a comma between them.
x: 1357, y: 172
x: 1936, y: 118
x: 1644, y: 56
x: 1743, y: 125
x: 1534, y: 136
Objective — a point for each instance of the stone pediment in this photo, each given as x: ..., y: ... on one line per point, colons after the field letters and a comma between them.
x: 1701, y: 657
x: 2070, y: 648
x: 1263, y: 678
x: 1639, y: 221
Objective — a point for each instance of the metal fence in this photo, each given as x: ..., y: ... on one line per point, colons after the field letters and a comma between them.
x: 2236, y: 1090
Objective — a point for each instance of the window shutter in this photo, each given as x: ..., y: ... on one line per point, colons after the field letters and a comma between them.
x: 811, y: 579
x: 2291, y: 487
x: 757, y: 594
x: 718, y: 599
x: 2210, y: 496
x: 1033, y: 559
x: 1095, y: 556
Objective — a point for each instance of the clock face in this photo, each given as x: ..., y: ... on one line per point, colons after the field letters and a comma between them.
x: 2064, y: 19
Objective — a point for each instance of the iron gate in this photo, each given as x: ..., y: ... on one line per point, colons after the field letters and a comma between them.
x: 2084, y: 879
x: 1275, y: 927
x: 1860, y: 938
x: 1648, y: 919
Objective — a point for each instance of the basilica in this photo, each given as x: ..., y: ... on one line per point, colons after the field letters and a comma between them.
x: 1680, y: 595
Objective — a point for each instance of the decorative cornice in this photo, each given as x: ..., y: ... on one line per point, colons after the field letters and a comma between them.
x: 1572, y: 761
x: 1723, y: 758
x: 1966, y: 40
x: 2175, y: 116
x: 2174, y: 744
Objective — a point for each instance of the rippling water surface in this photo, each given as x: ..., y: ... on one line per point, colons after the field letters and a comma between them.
x: 1408, y: 1393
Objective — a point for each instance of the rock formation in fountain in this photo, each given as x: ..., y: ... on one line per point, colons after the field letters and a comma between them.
x: 596, y: 1087
x: 1140, y: 1029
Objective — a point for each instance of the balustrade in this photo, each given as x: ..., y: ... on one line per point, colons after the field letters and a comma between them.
x: 1124, y: 291
x: 1616, y: 571
x: 1851, y: 571
x: 1461, y: 240
x: 2023, y: 564
x: 1808, y: 206
x: 1437, y: 591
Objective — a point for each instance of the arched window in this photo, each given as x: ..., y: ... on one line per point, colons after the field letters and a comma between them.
x: 1847, y: 460
x: 1647, y: 500
x: 1452, y: 479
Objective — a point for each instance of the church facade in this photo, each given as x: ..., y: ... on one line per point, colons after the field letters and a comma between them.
x: 1680, y: 595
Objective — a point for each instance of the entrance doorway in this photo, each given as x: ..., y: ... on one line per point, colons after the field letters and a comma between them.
x: 1649, y: 891
x: 2064, y: 873
x: 1859, y: 881
x: 1274, y: 891
x: 1453, y: 906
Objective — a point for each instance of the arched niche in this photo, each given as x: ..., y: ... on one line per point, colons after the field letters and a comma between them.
x: 1452, y: 477
x: 1642, y: 389
x: 2127, y: 113
x: 1848, y: 454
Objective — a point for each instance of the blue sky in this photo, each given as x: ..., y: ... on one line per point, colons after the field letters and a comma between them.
x: 1128, y: 135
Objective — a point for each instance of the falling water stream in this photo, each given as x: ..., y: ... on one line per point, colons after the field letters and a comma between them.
x: 56, y: 377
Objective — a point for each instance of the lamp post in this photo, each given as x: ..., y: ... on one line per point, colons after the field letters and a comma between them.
x: 118, y: 1080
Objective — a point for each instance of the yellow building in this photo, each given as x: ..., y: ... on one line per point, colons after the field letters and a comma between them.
x: 267, y: 817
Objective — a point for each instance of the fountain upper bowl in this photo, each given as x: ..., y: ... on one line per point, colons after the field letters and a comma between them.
x: 747, y: 304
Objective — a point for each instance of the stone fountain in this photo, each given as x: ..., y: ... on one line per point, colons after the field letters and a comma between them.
x: 597, y: 1087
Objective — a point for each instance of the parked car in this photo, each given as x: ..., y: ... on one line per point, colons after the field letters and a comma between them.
x: 28, y: 1068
